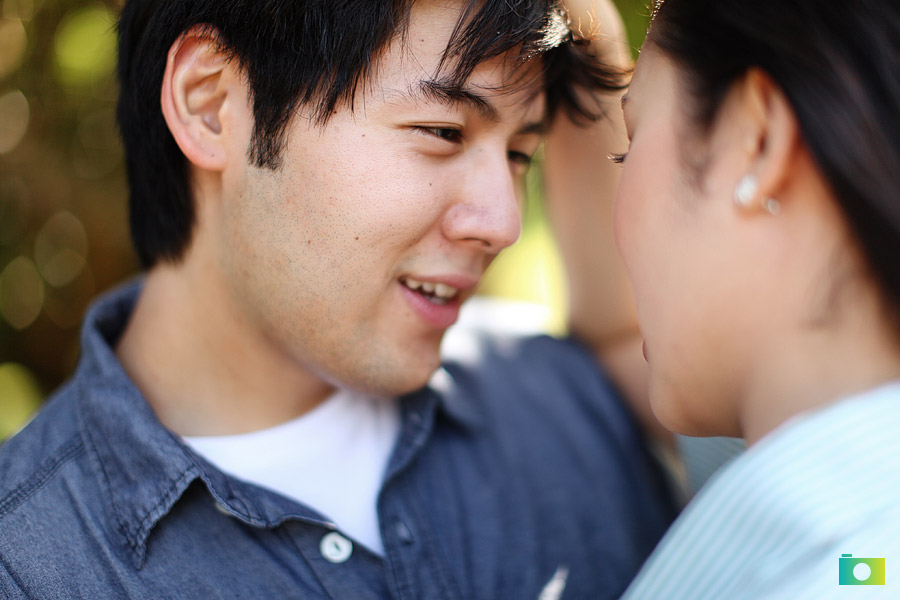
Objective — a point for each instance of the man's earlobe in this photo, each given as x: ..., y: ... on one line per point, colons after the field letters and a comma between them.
x: 195, y: 87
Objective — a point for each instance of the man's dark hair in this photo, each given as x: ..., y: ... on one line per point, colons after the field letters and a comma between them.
x: 311, y: 53
x: 837, y: 64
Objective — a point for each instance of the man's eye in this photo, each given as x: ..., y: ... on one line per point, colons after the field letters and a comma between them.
x: 519, y: 158
x: 445, y: 133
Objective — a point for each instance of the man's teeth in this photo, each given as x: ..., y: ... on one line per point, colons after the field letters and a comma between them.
x: 445, y: 291
x: 441, y: 290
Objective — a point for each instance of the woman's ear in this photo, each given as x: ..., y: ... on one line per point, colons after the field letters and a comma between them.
x: 195, y: 91
x: 774, y: 137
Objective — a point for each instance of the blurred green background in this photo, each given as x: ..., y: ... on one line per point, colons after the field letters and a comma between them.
x: 63, y: 212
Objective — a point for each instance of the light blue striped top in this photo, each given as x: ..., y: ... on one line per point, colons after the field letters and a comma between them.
x: 775, y: 522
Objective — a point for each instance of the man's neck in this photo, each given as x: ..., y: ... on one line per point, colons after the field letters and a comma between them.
x: 203, y: 368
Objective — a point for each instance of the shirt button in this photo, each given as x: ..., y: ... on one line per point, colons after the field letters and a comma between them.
x: 403, y: 532
x: 335, y: 547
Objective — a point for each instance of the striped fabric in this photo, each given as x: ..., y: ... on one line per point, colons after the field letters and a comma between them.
x: 775, y: 522
x: 703, y: 456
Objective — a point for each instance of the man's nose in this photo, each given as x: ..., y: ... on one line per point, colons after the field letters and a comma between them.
x: 486, y: 211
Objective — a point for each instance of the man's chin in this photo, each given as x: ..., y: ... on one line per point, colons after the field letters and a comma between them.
x: 408, y: 382
x: 401, y: 377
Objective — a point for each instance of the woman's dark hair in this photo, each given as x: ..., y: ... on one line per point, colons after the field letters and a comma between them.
x: 308, y: 53
x: 838, y: 63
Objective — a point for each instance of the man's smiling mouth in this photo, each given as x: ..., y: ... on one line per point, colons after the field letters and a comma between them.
x: 437, y: 293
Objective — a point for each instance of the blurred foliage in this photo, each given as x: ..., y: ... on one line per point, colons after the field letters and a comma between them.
x: 636, y: 14
x: 63, y: 211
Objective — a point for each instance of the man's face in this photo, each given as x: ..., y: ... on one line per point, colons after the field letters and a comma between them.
x: 354, y: 256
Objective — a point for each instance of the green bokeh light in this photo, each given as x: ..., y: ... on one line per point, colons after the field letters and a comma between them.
x: 20, y: 397
x: 85, y: 46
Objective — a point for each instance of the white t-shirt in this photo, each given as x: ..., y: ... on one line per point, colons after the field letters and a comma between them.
x: 332, y: 458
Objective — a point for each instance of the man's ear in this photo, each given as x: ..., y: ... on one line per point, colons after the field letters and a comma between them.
x: 195, y: 89
x: 774, y: 137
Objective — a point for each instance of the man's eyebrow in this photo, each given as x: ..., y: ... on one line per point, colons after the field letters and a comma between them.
x: 450, y: 93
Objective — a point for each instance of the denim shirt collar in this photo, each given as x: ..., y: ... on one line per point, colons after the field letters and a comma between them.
x: 145, y: 468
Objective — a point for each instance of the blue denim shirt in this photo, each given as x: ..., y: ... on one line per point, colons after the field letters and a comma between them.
x: 515, y: 471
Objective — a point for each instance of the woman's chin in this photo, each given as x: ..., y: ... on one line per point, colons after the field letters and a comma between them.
x: 689, y: 414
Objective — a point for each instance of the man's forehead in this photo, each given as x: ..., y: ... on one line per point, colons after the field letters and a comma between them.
x: 439, y: 62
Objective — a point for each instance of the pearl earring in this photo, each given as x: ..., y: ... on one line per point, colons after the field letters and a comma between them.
x: 772, y: 206
x: 745, y: 190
